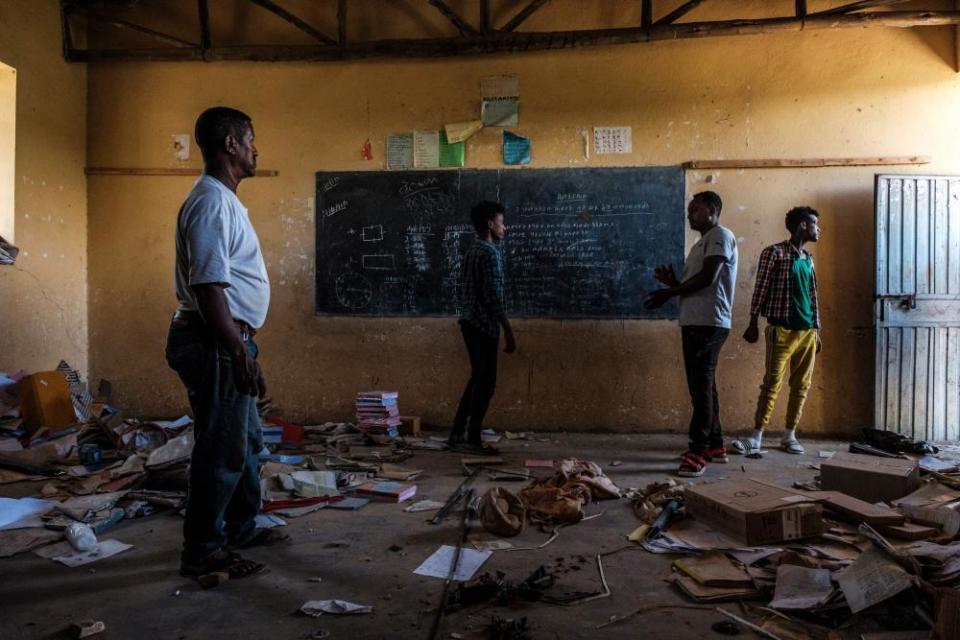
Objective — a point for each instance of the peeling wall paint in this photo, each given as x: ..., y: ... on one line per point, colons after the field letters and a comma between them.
x: 790, y: 95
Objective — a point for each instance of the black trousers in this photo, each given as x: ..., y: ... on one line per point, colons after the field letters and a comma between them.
x: 475, y: 400
x: 223, y: 496
x: 701, y: 353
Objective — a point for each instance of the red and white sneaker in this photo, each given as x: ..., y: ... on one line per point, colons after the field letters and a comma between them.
x: 692, y: 465
x: 717, y: 454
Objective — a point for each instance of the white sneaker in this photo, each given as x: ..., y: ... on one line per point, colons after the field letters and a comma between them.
x: 745, y: 445
x: 792, y: 446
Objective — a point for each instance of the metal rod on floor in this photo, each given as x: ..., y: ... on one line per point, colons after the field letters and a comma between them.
x: 454, y: 498
x: 451, y: 574
x: 748, y: 624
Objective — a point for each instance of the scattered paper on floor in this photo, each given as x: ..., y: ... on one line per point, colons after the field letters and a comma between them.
x: 269, y: 521
x: 492, y: 545
x: 871, y: 579
x: 106, y: 549
x: 317, y: 608
x: 438, y: 564
x: 424, y: 505
x: 801, y: 588
x: 23, y: 513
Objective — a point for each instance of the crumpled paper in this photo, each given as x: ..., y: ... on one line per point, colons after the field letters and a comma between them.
x: 317, y: 608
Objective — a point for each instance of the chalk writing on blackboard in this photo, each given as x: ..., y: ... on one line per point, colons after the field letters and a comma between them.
x: 580, y: 243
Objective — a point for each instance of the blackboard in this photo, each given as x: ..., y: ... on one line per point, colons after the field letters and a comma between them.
x: 580, y: 243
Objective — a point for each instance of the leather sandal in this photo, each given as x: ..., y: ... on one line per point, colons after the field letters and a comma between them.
x: 232, y: 564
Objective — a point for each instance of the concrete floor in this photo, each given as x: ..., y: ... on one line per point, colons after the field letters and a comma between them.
x: 138, y: 594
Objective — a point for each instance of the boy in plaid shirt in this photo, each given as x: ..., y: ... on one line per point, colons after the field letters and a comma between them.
x: 482, y: 314
x: 786, y: 295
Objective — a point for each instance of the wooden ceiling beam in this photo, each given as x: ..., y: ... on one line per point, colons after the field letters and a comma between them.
x: 523, y: 14
x: 125, y: 24
x: 282, y: 13
x: 66, y: 32
x: 341, y: 22
x: 678, y: 13
x: 498, y: 42
x: 484, y: 16
x: 646, y: 14
x: 203, y: 12
x: 858, y: 6
x: 456, y: 20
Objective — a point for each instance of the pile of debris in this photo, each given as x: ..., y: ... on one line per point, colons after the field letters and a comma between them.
x: 874, y: 543
x: 102, y: 467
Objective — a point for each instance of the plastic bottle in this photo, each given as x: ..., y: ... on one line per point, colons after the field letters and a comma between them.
x: 82, y: 537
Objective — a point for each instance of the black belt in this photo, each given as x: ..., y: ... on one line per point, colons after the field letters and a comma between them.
x: 194, y: 318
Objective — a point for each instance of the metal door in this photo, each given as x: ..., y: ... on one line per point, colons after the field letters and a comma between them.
x: 917, y: 306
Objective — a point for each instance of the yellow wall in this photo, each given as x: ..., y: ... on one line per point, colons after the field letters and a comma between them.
x: 851, y: 93
x: 43, y: 298
x: 8, y: 137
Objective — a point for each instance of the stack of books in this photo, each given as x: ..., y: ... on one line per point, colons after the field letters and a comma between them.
x: 377, y: 413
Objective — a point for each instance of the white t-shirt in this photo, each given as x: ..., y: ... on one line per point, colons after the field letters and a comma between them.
x: 711, y: 306
x: 217, y: 244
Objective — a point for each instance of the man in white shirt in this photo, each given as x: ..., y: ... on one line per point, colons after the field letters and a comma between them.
x: 706, y: 304
x: 223, y: 294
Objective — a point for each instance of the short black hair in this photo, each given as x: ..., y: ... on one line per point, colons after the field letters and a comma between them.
x: 483, y: 213
x: 799, y: 214
x: 215, y: 124
x: 711, y: 199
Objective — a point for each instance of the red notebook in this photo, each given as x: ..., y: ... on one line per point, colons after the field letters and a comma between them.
x: 387, y: 491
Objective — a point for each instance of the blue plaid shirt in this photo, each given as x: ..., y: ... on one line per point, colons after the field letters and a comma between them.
x: 481, y: 287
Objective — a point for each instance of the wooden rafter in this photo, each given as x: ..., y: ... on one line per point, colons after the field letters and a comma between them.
x: 66, y: 32
x: 679, y: 12
x: 859, y: 6
x: 484, y: 16
x: 523, y: 14
x: 646, y: 14
x: 125, y: 24
x: 455, y: 19
x: 956, y: 41
x: 203, y: 11
x: 801, y: 9
x: 507, y: 40
x: 280, y: 12
x: 342, y: 22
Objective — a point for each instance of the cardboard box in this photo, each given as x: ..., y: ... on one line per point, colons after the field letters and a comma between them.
x: 45, y: 401
x: 851, y: 509
x: 410, y: 425
x: 754, y: 512
x: 869, y: 478
x: 933, y: 504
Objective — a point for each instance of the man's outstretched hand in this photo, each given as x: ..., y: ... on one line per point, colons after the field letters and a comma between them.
x: 665, y: 275
x: 658, y: 298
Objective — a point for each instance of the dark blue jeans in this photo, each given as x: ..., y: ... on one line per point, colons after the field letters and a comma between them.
x: 223, y: 497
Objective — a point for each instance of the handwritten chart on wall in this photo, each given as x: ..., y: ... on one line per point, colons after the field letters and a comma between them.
x: 580, y: 243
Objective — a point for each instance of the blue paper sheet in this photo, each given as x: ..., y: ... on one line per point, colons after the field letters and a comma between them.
x: 516, y: 149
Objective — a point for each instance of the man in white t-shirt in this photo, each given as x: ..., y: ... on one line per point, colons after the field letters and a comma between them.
x: 706, y: 292
x: 223, y: 293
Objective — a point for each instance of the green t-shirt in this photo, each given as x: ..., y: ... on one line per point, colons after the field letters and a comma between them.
x: 801, y: 316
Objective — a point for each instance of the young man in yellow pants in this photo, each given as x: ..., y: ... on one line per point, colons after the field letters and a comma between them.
x: 786, y: 295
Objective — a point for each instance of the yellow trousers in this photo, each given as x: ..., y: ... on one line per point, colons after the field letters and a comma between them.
x: 799, y: 349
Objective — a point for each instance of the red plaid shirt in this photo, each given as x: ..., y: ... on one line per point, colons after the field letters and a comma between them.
x: 773, y: 292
